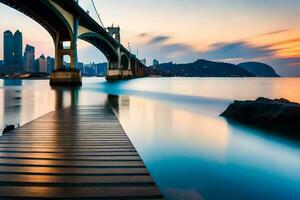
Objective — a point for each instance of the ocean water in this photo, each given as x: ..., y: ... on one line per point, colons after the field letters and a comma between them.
x: 174, y: 123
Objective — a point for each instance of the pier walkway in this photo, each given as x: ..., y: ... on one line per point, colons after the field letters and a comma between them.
x: 74, y: 153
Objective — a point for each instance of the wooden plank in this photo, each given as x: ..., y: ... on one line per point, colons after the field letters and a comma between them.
x: 53, y: 180
x: 72, y: 171
x: 75, y: 153
x: 113, y: 192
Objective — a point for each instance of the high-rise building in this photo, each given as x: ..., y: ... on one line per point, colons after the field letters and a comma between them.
x: 90, y: 69
x: 29, y: 58
x: 41, y: 64
x: 18, y: 48
x: 8, y: 48
x: 155, y: 63
x: 50, y: 64
x: 13, y: 47
x: 101, y: 69
x: 80, y: 66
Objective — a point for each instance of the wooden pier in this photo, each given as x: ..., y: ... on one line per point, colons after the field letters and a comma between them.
x: 75, y: 153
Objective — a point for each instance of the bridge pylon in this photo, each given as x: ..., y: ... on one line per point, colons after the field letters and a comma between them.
x: 61, y: 75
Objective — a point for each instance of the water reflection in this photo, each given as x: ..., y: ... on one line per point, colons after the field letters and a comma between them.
x: 192, y: 155
x: 113, y: 100
x: 66, y: 96
x: 12, y: 82
x: 12, y: 102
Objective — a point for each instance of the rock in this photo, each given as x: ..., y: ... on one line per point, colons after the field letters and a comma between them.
x: 279, y: 115
x: 8, y: 128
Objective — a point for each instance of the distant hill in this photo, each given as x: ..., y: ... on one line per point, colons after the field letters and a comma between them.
x: 151, y: 72
x: 203, y: 68
x: 259, y: 69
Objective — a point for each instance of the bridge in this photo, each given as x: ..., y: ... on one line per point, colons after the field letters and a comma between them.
x: 67, y: 22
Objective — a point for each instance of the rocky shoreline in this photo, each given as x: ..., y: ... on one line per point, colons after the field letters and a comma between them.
x: 278, y: 115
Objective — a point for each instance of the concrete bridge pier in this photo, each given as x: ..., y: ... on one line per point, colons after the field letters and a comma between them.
x: 61, y: 75
x: 114, y: 71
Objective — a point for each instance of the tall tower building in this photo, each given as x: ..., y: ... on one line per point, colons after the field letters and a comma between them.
x: 41, y: 64
x: 29, y: 56
x: 18, y: 48
x: 50, y: 64
x: 8, y: 48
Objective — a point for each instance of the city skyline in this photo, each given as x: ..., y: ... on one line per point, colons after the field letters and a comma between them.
x: 252, y: 31
x: 16, y: 60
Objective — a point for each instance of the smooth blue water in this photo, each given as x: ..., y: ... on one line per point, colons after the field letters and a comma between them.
x: 174, y: 123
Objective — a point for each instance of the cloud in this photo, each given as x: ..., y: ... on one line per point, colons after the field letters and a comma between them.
x: 243, y: 51
x: 274, y: 32
x: 175, y: 47
x: 286, y: 66
x: 284, y: 42
x: 237, y: 50
x: 159, y: 39
x: 162, y: 48
x: 143, y: 35
x: 217, y: 45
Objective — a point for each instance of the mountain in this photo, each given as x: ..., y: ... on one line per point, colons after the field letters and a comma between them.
x: 151, y: 72
x: 203, y: 68
x: 259, y: 69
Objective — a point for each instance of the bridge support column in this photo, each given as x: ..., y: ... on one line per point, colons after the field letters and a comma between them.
x: 61, y: 75
x: 113, y: 71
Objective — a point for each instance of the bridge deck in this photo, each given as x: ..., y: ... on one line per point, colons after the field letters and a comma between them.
x: 81, y: 152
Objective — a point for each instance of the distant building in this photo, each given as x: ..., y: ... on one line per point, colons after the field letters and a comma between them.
x: 155, y: 63
x: 18, y: 48
x: 93, y: 69
x: 50, y: 64
x: 80, y: 66
x: 90, y: 69
x: 101, y: 69
x: 144, y: 61
x: 29, y: 58
x: 41, y: 64
x: 8, y: 48
x: 13, y: 48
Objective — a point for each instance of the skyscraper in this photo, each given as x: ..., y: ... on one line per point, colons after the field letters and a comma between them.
x: 8, y: 48
x: 80, y: 66
x: 155, y: 63
x: 41, y: 64
x: 18, y: 48
x: 29, y: 56
x: 12, y: 45
x: 50, y: 64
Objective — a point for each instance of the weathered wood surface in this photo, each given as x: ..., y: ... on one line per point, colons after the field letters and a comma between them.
x: 76, y: 153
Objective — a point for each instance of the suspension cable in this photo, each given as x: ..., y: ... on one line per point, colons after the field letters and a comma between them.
x: 97, y: 13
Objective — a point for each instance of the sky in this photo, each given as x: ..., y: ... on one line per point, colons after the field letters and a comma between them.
x: 183, y: 31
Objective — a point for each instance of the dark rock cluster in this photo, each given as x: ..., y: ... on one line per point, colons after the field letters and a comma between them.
x: 279, y: 115
x: 8, y: 128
